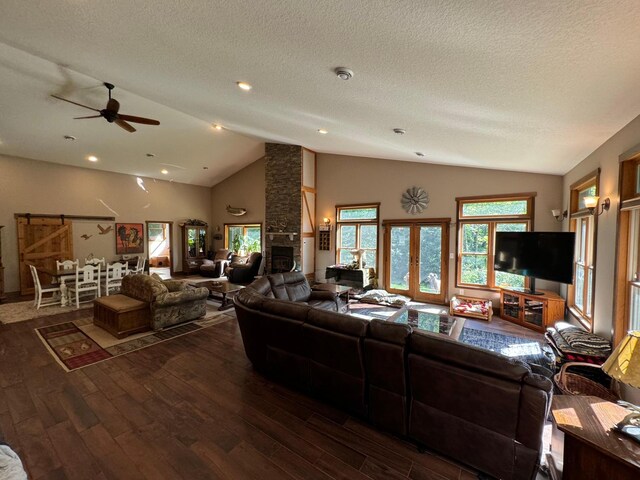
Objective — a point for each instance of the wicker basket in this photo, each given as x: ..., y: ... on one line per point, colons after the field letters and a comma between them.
x: 573, y: 384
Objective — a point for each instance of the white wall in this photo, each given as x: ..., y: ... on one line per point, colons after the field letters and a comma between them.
x: 351, y: 180
x: 30, y: 186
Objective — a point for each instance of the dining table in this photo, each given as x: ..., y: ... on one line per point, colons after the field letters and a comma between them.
x: 60, y: 275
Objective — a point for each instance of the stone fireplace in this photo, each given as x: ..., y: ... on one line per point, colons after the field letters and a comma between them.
x: 283, y: 208
x: 281, y: 259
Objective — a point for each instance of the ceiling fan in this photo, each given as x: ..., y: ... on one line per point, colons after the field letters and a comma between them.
x: 110, y: 113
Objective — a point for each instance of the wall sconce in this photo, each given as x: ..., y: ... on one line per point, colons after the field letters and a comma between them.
x: 559, y: 216
x: 592, y: 205
x: 327, y: 221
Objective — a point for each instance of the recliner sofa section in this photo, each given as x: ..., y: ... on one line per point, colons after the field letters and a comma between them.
x: 475, y: 406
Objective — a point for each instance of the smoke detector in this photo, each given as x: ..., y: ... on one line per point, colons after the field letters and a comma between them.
x: 399, y: 131
x: 344, y: 73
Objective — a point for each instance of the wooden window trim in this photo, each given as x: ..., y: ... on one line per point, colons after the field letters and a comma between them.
x: 461, y: 220
x: 358, y: 223
x: 226, y: 232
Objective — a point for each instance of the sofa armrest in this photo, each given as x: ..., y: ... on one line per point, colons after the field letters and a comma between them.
x: 176, y: 298
x: 322, y: 295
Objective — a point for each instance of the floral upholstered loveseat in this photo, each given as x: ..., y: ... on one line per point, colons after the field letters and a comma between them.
x: 171, y: 302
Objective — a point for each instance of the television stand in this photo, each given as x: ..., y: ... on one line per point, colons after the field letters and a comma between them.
x: 535, y: 311
x: 529, y: 291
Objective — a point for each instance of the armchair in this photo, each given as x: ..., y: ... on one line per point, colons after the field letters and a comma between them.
x: 244, y: 273
x: 216, y: 267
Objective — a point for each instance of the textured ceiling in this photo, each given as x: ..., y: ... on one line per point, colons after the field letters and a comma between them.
x: 516, y: 85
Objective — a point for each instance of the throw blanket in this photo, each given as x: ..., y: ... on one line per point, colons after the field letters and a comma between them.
x: 571, y: 338
x: 382, y: 297
x: 10, y: 465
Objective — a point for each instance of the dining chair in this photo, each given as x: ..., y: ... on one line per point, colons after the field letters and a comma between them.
x: 87, y: 280
x: 113, y: 277
x: 39, y: 301
x: 140, y: 266
x: 67, y: 265
x: 95, y: 261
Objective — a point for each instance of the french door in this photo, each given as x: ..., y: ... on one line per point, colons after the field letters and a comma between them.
x: 417, y: 259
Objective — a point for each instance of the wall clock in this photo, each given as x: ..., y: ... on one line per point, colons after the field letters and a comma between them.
x: 415, y: 200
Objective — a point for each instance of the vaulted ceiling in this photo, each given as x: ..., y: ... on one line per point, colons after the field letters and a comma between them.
x: 516, y: 85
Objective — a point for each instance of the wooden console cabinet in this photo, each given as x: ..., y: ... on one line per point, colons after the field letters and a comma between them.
x: 532, y: 311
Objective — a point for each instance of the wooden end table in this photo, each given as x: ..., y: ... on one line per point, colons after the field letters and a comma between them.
x: 220, y: 288
x: 584, y: 447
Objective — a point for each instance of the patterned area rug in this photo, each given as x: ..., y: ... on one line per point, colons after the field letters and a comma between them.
x: 79, y: 343
x: 21, y: 311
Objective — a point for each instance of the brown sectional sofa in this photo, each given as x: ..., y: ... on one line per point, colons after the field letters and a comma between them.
x: 480, y: 408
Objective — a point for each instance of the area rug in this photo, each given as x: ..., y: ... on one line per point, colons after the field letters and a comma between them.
x: 79, y: 343
x: 525, y: 349
x: 21, y: 311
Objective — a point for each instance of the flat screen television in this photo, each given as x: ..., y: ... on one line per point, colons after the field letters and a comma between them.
x: 544, y: 255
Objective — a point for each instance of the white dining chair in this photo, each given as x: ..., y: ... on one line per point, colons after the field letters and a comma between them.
x: 96, y: 261
x: 113, y: 277
x: 67, y: 265
x: 87, y: 280
x: 39, y: 300
x: 142, y: 262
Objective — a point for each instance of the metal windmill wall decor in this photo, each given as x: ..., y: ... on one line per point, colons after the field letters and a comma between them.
x: 415, y: 200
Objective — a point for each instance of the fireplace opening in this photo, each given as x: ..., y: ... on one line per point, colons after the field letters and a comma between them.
x: 282, y: 259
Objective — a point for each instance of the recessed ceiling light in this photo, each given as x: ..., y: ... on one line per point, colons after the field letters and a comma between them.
x: 217, y: 126
x: 322, y: 131
x: 92, y: 158
x: 244, y: 86
x: 151, y: 154
x: 69, y: 137
x: 399, y: 131
x: 420, y: 154
x: 164, y: 171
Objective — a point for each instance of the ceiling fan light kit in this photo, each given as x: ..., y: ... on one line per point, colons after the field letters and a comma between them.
x: 111, y: 113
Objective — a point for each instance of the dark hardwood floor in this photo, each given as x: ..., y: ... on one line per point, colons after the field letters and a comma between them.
x: 189, y: 408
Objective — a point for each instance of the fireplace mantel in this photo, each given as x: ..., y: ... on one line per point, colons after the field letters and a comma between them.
x: 288, y: 234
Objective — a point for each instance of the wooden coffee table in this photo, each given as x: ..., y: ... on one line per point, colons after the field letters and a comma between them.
x: 220, y: 291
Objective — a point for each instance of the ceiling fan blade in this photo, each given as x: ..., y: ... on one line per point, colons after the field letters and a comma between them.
x: 75, y: 103
x: 131, y: 118
x: 90, y: 116
x: 125, y: 125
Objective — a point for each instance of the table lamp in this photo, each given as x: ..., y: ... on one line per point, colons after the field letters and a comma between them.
x: 624, y: 366
x: 624, y: 363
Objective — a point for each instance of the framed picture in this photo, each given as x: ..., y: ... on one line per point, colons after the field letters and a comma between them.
x: 129, y: 238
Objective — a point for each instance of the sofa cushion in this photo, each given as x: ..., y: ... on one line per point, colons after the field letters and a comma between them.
x: 292, y: 286
x: 323, y: 305
x: 294, y: 310
x: 121, y: 303
x: 338, y: 322
x: 143, y: 287
x: 263, y: 286
x: 250, y: 298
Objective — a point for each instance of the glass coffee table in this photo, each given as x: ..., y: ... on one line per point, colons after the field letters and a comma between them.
x: 431, y: 322
x: 220, y: 291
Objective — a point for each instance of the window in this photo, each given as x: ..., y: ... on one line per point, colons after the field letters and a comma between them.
x: 479, y: 218
x: 357, y: 228
x: 243, y: 238
x: 627, y: 279
x: 584, y: 224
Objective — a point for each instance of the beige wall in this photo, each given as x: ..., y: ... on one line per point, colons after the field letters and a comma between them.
x: 606, y: 157
x: 30, y: 186
x: 244, y: 189
x: 348, y: 180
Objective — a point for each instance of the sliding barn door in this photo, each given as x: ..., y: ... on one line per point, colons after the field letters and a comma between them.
x: 42, y: 241
x: 417, y: 259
